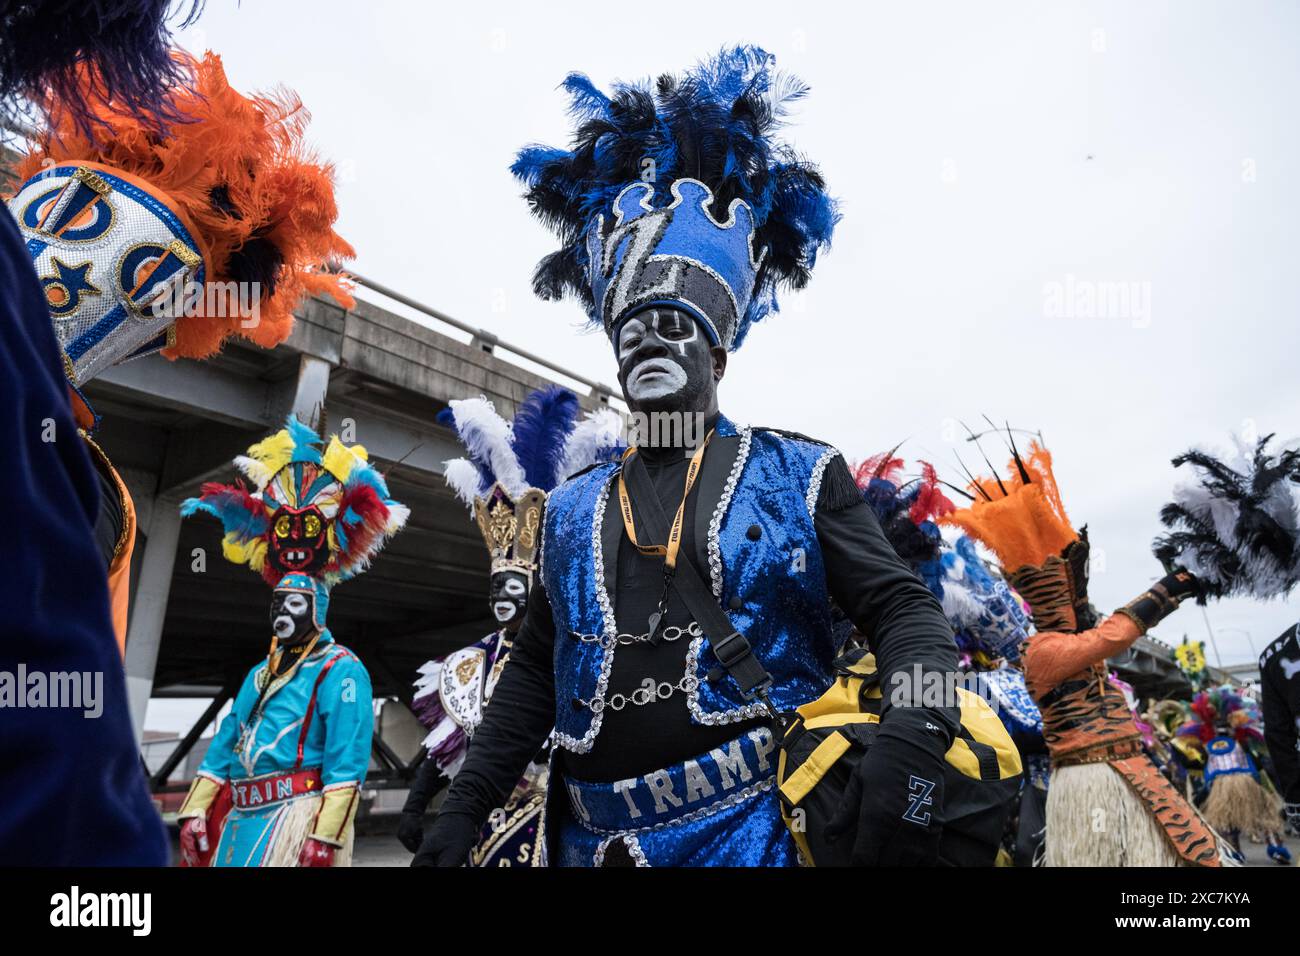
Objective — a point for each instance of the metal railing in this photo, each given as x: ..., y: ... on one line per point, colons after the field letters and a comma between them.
x: 489, y: 340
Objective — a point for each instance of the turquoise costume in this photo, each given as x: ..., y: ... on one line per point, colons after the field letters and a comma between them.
x: 281, y: 780
x: 317, y: 717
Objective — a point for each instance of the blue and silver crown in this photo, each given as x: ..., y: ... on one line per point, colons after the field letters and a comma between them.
x: 679, y: 193
x: 678, y: 255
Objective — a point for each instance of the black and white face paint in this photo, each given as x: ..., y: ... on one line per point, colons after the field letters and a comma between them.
x: 664, y: 359
x: 508, y: 596
x: 292, y: 617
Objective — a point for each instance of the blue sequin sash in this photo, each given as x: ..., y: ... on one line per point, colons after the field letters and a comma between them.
x: 726, y: 775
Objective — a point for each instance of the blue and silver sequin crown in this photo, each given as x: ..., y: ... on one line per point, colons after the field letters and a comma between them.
x: 679, y: 255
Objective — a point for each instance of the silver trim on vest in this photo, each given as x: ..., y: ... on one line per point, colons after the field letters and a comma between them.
x: 584, y: 743
x: 747, y: 711
x: 724, y: 502
x: 815, y: 484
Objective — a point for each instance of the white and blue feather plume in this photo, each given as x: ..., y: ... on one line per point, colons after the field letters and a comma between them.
x: 543, y: 445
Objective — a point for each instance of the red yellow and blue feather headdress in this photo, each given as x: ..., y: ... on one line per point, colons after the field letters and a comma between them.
x: 324, y: 512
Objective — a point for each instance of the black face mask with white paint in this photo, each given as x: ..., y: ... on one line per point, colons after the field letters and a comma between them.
x: 508, y: 597
x: 293, y: 616
x: 666, y: 363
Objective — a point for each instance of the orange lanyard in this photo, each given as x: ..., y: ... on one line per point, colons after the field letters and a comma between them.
x: 671, y: 549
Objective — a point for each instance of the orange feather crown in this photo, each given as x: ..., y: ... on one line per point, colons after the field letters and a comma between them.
x: 235, y: 171
x: 1020, y: 518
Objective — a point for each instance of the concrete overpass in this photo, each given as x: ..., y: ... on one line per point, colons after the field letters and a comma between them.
x: 198, y: 622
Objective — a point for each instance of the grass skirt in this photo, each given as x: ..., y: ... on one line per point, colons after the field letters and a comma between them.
x: 1237, y: 802
x: 1095, y: 819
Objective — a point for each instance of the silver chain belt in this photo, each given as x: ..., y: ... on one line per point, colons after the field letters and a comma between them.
x: 667, y: 635
x: 647, y: 693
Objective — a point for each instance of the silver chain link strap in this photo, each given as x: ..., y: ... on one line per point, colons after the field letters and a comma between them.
x: 647, y: 693
x: 667, y: 635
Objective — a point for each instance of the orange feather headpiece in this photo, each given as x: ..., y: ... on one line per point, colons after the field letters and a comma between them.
x: 235, y: 172
x: 1021, y: 518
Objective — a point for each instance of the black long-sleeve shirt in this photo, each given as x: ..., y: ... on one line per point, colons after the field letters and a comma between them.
x: 428, y: 781
x: 902, y: 621
x: 1279, y: 676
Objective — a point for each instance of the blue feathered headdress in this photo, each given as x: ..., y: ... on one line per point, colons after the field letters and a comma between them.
x: 679, y: 193
x: 48, y: 50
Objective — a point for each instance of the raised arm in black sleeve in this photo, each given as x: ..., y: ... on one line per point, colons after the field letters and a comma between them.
x: 901, y: 620
x: 515, y: 724
x: 894, y: 803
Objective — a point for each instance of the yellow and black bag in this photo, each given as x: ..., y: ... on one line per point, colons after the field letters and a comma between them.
x: 828, y: 737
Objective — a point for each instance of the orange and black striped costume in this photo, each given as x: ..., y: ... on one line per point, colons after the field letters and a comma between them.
x: 1087, y: 720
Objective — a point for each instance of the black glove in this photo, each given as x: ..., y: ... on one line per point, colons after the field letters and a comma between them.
x: 894, y: 800
x: 1160, y: 600
x: 411, y: 830
x: 1181, y: 584
x: 448, y: 841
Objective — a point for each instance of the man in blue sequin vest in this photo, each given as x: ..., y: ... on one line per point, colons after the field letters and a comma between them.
x: 661, y: 757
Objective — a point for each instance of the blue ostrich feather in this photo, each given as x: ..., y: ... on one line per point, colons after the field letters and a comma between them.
x: 367, y: 474
x: 125, y: 44
x: 228, y: 507
x: 538, y: 434
x: 306, y: 443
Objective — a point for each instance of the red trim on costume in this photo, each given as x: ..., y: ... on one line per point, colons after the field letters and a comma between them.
x: 311, y: 704
x: 274, y: 788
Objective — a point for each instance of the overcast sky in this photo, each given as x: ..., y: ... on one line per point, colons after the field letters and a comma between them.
x: 988, y: 156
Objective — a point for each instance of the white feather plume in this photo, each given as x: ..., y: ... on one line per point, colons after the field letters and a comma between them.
x: 463, y: 477
x: 486, y: 436
x: 596, y: 431
x: 254, y: 470
x: 397, y: 517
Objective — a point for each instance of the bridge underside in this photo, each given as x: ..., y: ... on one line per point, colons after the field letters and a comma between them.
x: 198, y: 622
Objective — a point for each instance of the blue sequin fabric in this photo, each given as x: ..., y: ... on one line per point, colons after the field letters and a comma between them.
x: 1004, y: 688
x: 765, y: 568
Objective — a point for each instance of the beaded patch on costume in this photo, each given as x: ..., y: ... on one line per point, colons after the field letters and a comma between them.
x: 461, y: 686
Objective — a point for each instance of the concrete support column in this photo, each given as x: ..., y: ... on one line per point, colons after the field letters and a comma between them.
x: 144, y: 636
x: 312, y: 385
